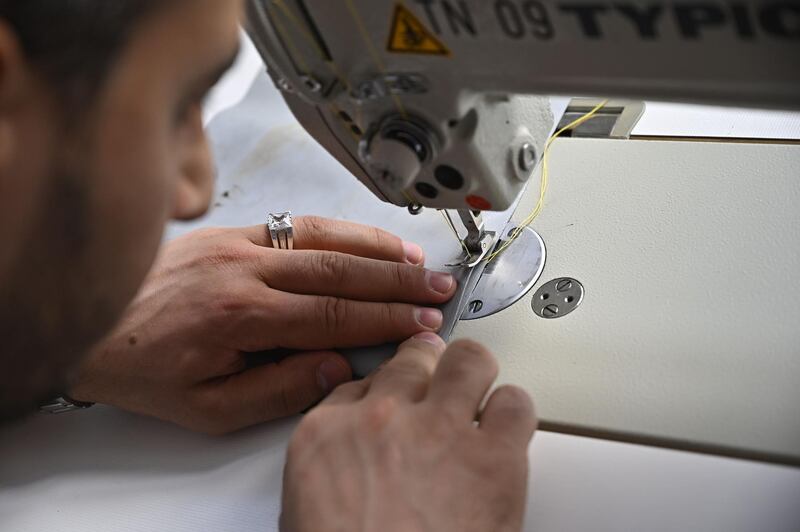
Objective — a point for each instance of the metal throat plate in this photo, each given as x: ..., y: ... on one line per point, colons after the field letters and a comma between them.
x: 508, y: 277
x: 557, y: 298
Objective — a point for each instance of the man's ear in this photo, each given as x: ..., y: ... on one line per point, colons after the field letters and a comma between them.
x: 15, y: 79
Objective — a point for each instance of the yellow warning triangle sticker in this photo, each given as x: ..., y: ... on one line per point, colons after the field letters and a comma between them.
x: 410, y: 36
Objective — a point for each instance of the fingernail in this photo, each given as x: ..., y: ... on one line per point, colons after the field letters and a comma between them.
x: 331, y: 374
x: 440, y: 282
x: 414, y: 253
x: 429, y: 337
x: 430, y: 318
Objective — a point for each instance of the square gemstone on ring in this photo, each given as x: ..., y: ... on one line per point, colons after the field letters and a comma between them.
x: 279, y: 221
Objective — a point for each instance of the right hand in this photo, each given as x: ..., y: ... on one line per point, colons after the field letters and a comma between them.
x: 401, y: 451
x: 214, y: 295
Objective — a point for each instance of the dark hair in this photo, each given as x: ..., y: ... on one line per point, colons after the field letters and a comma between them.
x: 73, y: 43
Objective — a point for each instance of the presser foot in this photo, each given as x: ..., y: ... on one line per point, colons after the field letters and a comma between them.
x: 486, y: 244
x: 506, y: 278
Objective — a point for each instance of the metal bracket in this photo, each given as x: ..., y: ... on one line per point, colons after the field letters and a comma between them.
x: 557, y: 298
x: 389, y: 84
x: 615, y: 120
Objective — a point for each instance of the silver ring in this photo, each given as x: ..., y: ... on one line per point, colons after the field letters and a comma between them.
x: 280, y: 229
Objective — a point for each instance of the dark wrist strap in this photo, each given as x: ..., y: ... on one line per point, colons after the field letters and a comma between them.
x: 63, y: 404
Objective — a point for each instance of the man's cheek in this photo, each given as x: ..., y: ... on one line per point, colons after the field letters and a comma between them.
x: 131, y: 202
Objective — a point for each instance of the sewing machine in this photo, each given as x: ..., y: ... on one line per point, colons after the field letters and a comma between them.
x: 434, y: 104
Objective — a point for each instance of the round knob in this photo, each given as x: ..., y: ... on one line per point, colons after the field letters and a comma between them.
x: 398, y: 150
x: 395, y: 161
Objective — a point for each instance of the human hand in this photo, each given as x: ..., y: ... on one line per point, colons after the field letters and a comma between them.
x: 213, y: 295
x: 400, y: 450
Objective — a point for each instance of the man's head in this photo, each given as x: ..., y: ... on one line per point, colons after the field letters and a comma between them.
x: 101, y: 142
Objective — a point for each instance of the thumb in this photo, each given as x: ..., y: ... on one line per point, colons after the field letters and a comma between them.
x: 287, y: 387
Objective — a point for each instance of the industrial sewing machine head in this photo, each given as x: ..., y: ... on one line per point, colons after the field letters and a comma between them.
x: 401, y: 126
x: 421, y: 100
x: 404, y: 126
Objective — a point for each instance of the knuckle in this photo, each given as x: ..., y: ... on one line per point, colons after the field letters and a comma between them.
x: 352, y: 388
x: 378, y: 413
x: 384, y: 240
x: 516, y: 400
x: 206, y: 233
x: 314, y: 227
x: 213, y: 244
x: 405, y: 371
x: 400, y: 274
x: 225, y: 254
x: 333, y: 313
x: 394, y: 313
x: 312, y: 424
x: 329, y: 266
x: 308, y: 432
x: 395, y: 320
x: 473, y: 354
x: 418, y: 360
x: 233, y: 302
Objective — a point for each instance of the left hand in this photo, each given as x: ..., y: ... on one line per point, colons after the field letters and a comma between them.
x: 400, y: 450
x: 216, y: 294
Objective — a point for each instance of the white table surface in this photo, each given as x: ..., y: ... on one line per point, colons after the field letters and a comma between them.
x: 107, y: 470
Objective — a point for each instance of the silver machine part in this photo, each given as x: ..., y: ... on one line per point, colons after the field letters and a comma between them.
x: 507, y: 277
x: 557, y: 298
x: 477, y: 243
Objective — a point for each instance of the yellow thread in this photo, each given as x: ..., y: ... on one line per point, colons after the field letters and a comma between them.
x: 373, y: 51
x: 543, y: 183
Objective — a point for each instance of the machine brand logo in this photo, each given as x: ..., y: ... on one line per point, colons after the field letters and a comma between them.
x: 409, y: 35
x: 747, y: 20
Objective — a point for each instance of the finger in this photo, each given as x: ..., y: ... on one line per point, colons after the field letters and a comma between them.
x: 321, y: 322
x: 312, y: 232
x: 341, y: 275
x: 408, y: 374
x: 463, y: 377
x: 277, y: 390
x: 509, y: 413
